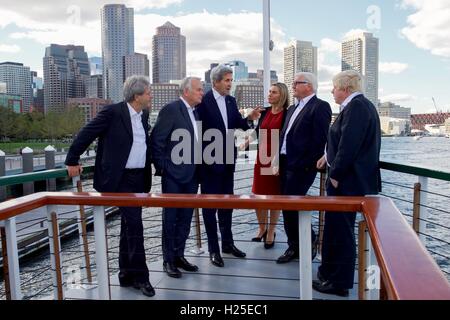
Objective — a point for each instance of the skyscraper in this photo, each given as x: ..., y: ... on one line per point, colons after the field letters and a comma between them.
x: 208, y: 72
x: 169, y: 54
x: 66, y: 70
x: 299, y: 56
x: 18, y: 82
x: 117, y: 42
x: 96, y: 65
x: 94, y: 86
x: 240, y: 70
x: 360, y: 53
x: 38, y: 92
x: 273, y: 76
x: 208, y: 85
x: 136, y: 64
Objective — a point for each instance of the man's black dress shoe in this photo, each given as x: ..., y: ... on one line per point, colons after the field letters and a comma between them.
x: 320, y: 276
x: 289, y: 255
x: 145, y: 287
x: 328, y: 288
x: 216, y: 259
x: 234, y: 251
x: 171, y: 269
x: 182, y: 263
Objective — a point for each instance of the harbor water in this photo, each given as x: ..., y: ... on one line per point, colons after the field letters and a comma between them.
x: 429, y: 152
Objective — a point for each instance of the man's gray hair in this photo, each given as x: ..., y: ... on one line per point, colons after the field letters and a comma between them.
x: 219, y: 72
x: 135, y: 85
x: 311, y: 78
x: 186, y: 83
x: 349, y: 79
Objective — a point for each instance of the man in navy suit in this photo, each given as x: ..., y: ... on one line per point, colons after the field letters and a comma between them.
x: 219, y: 114
x: 302, y: 142
x: 352, y: 157
x: 122, y: 164
x: 178, y: 169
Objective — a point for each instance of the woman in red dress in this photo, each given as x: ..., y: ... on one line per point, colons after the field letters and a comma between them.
x: 266, y: 180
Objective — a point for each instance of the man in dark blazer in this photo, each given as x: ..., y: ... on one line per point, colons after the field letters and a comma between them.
x: 122, y: 164
x: 179, y: 170
x: 219, y: 114
x: 352, y: 155
x: 302, y: 142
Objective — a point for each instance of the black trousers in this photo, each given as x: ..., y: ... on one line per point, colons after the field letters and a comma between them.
x: 176, y: 221
x: 339, y: 246
x: 132, y: 263
x: 218, y: 183
x: 295, y: 183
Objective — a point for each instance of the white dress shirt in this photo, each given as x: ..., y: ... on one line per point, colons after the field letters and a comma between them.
x: 298, y: 108
x: 222, y: 107
x: 190, y: 111
x: 137, y: 157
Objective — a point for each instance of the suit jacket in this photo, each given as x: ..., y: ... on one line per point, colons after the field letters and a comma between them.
x: 353, y: 148
x: 112, y: 126
x: 211, y: 118
x: 172, y: 117
x: 306, y: 140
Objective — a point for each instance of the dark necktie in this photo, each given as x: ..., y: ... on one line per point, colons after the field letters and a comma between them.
x: 196, y: 115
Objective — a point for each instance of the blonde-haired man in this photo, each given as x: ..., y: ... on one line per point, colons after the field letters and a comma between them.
x: 352, y: 156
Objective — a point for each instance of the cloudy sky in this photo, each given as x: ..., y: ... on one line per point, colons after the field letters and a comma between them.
x: 414, y: 36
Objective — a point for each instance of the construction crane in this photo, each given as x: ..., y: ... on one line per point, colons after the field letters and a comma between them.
x: 435, y: 106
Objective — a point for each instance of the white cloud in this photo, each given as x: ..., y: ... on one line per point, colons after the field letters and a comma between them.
x: 66, y: 10
x: 327, y: 72
x: 325, y: 87
x: 329, y: 56
x: 330, y: 45
x: 353, y: 33
x: 6, y: 48
x: 429, y: 27
x: 149, y: 4
x: 398, y: 97
x: 210, y: 37
x: 393, y: 67
x: 87, y: 35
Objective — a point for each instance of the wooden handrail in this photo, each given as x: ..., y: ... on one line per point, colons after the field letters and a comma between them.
x: 407, y: 269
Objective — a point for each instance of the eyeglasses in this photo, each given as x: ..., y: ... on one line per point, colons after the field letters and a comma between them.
x: 299, y: 82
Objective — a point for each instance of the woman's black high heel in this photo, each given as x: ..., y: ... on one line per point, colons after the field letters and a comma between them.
x: 270, y: 245
x: 258, y: 239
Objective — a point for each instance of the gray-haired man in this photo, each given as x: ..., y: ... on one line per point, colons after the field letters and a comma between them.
x: 179, y: 170
x: 122, y: 164
x: 219, y: 112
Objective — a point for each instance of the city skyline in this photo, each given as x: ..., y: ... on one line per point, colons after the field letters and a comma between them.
x: 414, y: 56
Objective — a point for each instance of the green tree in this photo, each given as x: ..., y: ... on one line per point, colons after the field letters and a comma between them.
x: 73, y: 120
x: 7, y: 123
x: 36, y: 130
x: 21, y: 125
